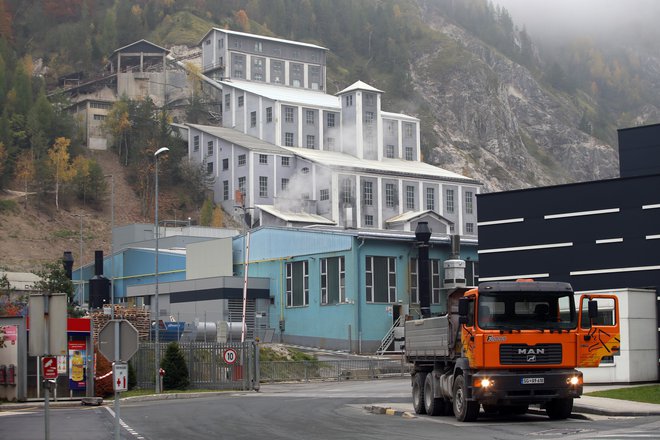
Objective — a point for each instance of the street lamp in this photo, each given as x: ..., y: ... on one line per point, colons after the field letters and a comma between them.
x: 157, y: 314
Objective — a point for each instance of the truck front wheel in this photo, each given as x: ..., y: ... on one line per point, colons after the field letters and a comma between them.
x: 465, y: 410
x: 559, y: 409
x: 418, y: 392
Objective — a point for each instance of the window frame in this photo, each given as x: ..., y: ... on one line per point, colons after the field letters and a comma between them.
x: 291, y: 284
x: 373, y: 279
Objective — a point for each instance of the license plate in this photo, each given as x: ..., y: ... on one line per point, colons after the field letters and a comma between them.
x: 532, y: 380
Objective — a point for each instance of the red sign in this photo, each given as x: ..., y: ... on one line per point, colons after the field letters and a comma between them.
x: 49, y: 366
x: 230, y: 356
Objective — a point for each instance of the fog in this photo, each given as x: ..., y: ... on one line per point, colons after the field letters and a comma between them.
x: 605, y: 21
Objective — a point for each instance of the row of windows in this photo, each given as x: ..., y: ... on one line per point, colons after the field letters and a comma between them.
x: 380, y: 280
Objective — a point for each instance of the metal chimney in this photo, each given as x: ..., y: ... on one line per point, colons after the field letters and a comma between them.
x: 98, y: 263
x: 423, y: 235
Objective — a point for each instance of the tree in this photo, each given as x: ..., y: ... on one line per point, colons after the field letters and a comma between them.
x: 60, y: 166
x: 218, y: 217
x: 53, y: 279
x: 242, y: 20
x: 206, y: 213
x: 3, y: 164
x: 176, y: 370
x: 25, y: 171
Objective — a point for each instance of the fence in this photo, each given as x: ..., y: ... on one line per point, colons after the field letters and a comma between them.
x: 206, y: 363
x: 208, y: 369
x: 282, y: 371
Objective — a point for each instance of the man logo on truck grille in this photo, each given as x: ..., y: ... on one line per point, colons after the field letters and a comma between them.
x: 531, y: 351
x: 531, y: 358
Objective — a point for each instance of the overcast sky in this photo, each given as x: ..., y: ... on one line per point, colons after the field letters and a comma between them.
x: 598, y: 19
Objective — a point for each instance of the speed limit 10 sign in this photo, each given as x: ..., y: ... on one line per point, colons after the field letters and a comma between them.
x: 230, y: 355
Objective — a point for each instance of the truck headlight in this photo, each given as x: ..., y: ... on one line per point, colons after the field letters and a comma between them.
x: 483, y: 383
x: 574, y: 380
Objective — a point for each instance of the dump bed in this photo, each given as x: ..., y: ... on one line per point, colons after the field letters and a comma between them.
x: 426, y: 338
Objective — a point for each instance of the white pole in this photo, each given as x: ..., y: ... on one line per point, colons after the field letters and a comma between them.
x: 246, y: 264
x: 157, y: 314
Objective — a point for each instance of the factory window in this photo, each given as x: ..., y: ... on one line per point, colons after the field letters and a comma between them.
x: 225, y: 190
x: 288, y: 114
x: 469, y: 208
x: 241, y: 185
x: 410, y: 197
x: 269, y: 114
x: 225, y: 164
x: 285, y: 161
x: 325, y: 194
x: 227, y: 101
x: 389, y: 151
x: 241, y: 99
x: 368, y: 220
x: 390, y: 195
x: 253, y: 119
x: 209, y: 148
x: 349, y: 100
x: 469, y: 228
x: 263, y: 186
x: 241, y: 160
x: 409, y: 153
x: 333, y: 280
x: 430, y: 199
x: 331, y: 119
x: 367, y: 193
x: 380, y: 279
x: 285, y: 184
x: 263, y: 159
x: 209, y: 168
x: 288, y: 139
x: 196, y: 143
x: 311, y: 141
x: 297, y: 284
x: 449, y: 201
x: 309, y: 117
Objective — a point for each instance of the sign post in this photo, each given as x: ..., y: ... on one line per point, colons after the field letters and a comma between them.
x: 47, y: 313
x: 118, y: 341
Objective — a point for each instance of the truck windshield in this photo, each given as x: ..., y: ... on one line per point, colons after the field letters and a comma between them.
x: 527, y: 311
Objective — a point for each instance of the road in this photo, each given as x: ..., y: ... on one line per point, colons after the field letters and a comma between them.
x: 330, y: 410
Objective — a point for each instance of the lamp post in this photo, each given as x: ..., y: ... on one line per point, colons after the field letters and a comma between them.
x: 157, y: 314
x: 112, y: 245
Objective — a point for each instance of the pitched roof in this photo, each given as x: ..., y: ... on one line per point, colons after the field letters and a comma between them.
x: 411, y: 215
x: 396, y: 167
x: 261, y: 37
x: 141, y: 43
x: 244, y: 140
x: 293, y: 95
x: 295, y: 217
x: 359, y: 85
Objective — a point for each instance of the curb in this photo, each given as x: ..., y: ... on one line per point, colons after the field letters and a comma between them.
x: 375, y: 409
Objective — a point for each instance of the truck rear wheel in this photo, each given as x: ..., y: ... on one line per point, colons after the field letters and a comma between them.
x: 558, y: 409
x: 434, y: 406
x: 418, y: 392
x: 464, y: 410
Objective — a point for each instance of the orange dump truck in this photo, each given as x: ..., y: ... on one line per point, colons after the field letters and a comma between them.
x: 506, y: 345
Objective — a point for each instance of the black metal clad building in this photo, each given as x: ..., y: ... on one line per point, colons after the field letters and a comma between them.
x: 639, y: 151
x: 595, y: 235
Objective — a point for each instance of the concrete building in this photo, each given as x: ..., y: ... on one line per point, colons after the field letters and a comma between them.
x: 286, y: 147
x: 602, y: 235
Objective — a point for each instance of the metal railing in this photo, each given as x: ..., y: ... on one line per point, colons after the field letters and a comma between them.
x: 349, y: 369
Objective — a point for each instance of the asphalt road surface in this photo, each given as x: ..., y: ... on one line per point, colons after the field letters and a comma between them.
x: 329, y: 410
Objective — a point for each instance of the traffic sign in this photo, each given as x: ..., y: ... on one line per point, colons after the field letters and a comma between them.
x: 49, y: 367
x: 120, y: 376
x: 229, y: 355
x: 128, y: 340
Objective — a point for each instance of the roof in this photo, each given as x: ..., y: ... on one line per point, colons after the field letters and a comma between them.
x: 391, y: 115
x: 261, y: 37
x: 21, y: 280
x: 295, y: 217
x: 359, y: 85
x: 396, y: 167
x: 241, y: 139
x: 293, y: 95
x: 140, y: 42
x: 411, y: 215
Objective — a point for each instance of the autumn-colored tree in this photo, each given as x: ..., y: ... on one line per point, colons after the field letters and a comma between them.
x: 242, y: 20
x: 25, y: 171
x: 58, y: 161
x: 218, y: 217
x: 117, y: 124
x: 6, y: 19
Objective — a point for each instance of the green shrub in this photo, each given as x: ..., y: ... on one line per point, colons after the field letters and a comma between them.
x: 176, y: 370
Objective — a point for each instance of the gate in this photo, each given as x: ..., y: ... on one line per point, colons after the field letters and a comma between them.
x: 206, y: 364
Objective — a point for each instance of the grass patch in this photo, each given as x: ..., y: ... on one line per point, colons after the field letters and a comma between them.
x: 8, y: 206
x: 65, y: 234
x: 647, y: 394
x: 150, y: 391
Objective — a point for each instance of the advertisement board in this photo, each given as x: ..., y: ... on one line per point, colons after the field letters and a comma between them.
x: 77, y: 364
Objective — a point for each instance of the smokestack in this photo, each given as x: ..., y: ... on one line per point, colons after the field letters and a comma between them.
x: 423, y: 235
x: 67, y: 261
x: 98, y: 263
x: 455, y: 247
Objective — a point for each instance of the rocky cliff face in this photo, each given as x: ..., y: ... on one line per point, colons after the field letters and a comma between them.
x: 495, y: 122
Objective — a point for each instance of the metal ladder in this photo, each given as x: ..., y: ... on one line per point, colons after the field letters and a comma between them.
x: 389, y: 337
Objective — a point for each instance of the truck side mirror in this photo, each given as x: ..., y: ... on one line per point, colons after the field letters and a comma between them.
x: 593, y: 309
x: 463, y: 310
